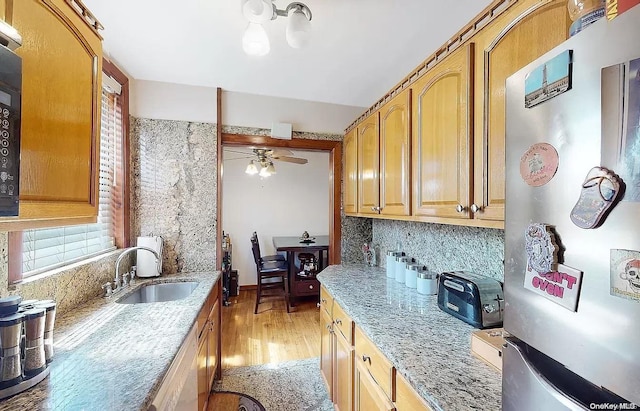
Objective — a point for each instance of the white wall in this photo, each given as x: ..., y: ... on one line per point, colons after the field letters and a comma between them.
x: 294, y: 200
x: 168, y: 101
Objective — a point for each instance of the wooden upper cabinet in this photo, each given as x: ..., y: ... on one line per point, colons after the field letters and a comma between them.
x: 6, y: 7
x: 62, y: 69
x: 520, y: 35
x: 350, y: 200
x: 368, y: 165
x: 395, y: 155
x: 442, y: 137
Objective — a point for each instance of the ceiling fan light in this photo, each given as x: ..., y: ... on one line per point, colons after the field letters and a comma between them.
x: 251, y: 169
x: 257, y: 11
x: 271, y: 169
x: 264, y: 172
x: 255, y: 41
x: 298, y: 28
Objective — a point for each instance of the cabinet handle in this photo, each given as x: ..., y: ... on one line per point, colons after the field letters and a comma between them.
x: 475, y: 208
x: 366, y: 358
x: 378, y: 208
x: 339, y: 321
x: 311, y: 287
x: 460, y: 208
x: 323, y: 301
x: 329, y: 327
x: 373, y: 209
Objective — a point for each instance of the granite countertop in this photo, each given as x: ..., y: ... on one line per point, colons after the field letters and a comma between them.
x: 429, y: 347
x: 110, y: 356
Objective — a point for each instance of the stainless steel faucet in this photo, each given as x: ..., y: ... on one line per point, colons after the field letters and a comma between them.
x: 126, y: 251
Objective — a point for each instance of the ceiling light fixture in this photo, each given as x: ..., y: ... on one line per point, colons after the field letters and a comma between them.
x: 255, y: 41
x: 264, y: 172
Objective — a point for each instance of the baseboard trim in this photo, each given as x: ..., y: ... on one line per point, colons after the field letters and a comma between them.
x: 251, y: 287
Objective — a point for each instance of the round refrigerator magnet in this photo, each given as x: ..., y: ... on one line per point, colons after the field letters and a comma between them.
x: 539, y: 164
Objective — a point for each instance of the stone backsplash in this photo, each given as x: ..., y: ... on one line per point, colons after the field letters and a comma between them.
x: 443, y: 247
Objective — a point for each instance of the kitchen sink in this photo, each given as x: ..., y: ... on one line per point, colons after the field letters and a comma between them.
x: 160, y: 292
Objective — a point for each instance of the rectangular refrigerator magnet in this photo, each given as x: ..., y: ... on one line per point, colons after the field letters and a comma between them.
x: 561, y: 286
x: 548, y: 80
x: 625, y: 274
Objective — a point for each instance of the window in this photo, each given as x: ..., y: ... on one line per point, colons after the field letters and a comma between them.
x: 36, y: 251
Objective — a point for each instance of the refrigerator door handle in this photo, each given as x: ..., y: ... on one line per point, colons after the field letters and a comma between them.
x: 523, y: 369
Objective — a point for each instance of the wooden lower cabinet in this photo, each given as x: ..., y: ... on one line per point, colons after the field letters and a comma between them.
x: 326, y: 350
x: 368, y: 394
x: 406, y: 398
x: 209, y: 346
x: 203, y: 391
x: 343, y: 372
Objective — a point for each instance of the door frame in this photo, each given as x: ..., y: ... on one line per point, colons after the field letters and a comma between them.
x: 334, y: 148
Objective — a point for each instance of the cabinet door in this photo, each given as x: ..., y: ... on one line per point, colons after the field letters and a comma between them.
x: 343, y: 375
x: 520, y: 35
x: 368, y: 165
x: 326, y: 351
x: 443, y: 137
x: 213, y: 340
x: 406, y: 398
x: 6, y: 7
x: 61, y: 89
x: 203, y: 388
x: 368, y: 395
x: 350, y: 201
x: 395, y: 155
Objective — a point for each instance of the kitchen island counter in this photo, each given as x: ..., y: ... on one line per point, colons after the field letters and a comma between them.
x: 110, y: 356
x: 430, y: 348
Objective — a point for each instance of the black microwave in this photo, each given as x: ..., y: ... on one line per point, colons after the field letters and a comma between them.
x: 10, y: 105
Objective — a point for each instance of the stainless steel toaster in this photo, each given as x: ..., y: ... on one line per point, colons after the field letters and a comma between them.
x: 472, y: 298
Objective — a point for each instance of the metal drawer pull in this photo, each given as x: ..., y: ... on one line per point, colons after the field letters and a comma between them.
x: 339, y: 321
x: 329, y: 327
x: 366, y: 358
x: 311, y: 287
x: 323, y: 301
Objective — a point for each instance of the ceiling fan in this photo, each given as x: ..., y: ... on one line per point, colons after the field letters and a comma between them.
x: 262, y: 160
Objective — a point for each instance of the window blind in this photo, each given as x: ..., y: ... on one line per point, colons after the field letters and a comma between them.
x: 49, y: 248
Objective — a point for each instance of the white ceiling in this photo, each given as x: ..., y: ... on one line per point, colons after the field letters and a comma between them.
x: 359, y: 49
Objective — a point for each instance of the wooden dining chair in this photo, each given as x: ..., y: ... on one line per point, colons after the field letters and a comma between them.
x: 267, y: 272
x: 265, y: 258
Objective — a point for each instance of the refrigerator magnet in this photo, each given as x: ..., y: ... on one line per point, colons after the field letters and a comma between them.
x: 561, y: 286
x: 600, y: 192
x: 539, y: 164
x: 548, y: 80
x: 541, y: 247
x: 625, y: 274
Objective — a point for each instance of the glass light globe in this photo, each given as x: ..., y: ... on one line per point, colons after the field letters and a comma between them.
x: 258, y: 11
x: 255, y: 41
x: 264, y: 172
x: 298, y: 29
x: 251, y: 169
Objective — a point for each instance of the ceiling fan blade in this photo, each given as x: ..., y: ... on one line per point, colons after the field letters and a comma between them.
x: 226, y: 150
x: 277, y: 152
x: 295, y: 160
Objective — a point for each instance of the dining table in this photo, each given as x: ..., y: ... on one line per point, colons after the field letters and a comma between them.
x: 302, y: 286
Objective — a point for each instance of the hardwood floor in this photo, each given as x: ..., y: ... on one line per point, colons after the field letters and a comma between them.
x: 272, y: 335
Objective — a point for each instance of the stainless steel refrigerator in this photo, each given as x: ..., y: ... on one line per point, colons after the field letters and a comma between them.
x: 575, y: 344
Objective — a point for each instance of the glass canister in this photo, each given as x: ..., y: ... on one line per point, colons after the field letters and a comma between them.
x: 50, y: 318
x: 427, y: 282
x: 401, y: 266
x: 34, y: 356
x: 411, y: 274
x: 10, y: 354
x: 391, y: 263
x: 583, y: 13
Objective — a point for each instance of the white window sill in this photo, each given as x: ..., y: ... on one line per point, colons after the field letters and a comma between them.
x: 56, y: 271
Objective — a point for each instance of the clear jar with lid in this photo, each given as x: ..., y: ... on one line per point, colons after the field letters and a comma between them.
x: 584, y: 13
x: 401, y: 266
x: 427, y: 283
x: 391, y: 262
x: 411, y: 274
